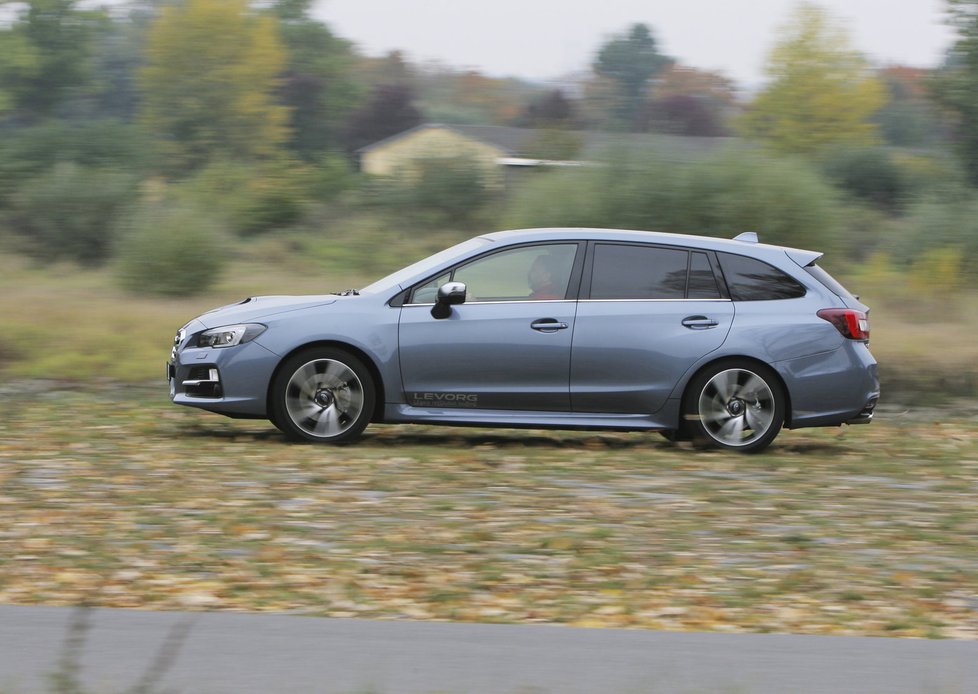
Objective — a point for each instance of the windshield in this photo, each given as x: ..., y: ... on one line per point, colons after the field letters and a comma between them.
x: 422, y: 266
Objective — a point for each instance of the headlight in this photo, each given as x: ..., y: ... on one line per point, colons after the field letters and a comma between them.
x: 230, y: 335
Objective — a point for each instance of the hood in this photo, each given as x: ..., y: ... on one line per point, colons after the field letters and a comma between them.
x: 258, y: 307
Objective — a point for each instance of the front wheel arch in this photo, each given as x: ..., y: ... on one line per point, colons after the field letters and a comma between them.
x: 378, y: 382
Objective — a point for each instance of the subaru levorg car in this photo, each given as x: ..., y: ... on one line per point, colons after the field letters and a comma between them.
x: 722, y: 342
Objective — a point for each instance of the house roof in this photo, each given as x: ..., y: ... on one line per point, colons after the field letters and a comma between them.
x: 514, y: 142
x: 482, y: 133
x: 510, y: 140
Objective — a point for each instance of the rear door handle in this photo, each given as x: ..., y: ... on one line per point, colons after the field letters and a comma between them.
x: 699, y: 322
x: 548, y: 325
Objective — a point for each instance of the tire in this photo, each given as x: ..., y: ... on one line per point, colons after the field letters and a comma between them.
x: 734, y: 405
x: 323, y: 395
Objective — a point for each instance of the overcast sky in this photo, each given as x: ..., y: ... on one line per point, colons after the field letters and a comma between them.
x: 547, y: 39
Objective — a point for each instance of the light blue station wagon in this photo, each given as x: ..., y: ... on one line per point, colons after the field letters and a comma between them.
x: 722, y: 342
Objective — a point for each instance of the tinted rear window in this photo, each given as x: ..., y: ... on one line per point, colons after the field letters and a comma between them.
x: 750, y: 279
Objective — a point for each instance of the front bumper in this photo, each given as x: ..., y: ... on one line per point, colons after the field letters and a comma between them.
x: 229, y: 380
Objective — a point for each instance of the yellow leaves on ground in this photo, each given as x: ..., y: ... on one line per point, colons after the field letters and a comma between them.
x: 112, y: 497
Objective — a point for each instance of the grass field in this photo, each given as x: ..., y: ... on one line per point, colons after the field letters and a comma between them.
x: 113, y: 497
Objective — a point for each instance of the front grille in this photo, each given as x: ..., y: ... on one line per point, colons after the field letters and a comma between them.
x: 177, y: 341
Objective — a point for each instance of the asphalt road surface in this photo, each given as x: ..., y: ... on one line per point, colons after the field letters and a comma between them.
x: 218, y: 652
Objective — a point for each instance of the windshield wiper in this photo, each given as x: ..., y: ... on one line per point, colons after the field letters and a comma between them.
x: 347, y: 292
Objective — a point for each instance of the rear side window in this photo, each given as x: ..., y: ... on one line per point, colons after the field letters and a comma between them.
x: 623, y: 271
x: 750, y: 279
x: 702, y: 281
x: 638, y: 272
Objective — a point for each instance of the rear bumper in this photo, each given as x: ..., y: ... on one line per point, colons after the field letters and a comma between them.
x: 832, y: 388
x: 866, y: 415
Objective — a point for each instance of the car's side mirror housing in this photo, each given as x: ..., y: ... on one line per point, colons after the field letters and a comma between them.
x: 449, y: 294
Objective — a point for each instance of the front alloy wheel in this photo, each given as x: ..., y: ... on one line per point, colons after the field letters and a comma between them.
x: 322, y: 395
x: 735, y: 406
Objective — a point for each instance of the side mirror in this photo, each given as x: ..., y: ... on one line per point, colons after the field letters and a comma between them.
x: 449, y: 294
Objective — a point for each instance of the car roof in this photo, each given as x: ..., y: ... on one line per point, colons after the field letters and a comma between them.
x: 738, y: 246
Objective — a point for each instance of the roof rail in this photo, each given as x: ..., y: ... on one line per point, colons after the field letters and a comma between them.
x: 746, y: 237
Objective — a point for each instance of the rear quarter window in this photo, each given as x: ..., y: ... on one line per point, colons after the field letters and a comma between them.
x: 830, y: 282
x: 750, y: 279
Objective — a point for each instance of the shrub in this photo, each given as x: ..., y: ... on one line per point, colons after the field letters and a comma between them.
x: 942, y: 223
x: 439, y: 191
x: 783, y: 200
x: 453, y: 187
x: 70, y: 212
x: 171, y: 249
x: 867, y: 173
x: 253, y: 199
x: 27, y: 153
x: 938, y: 271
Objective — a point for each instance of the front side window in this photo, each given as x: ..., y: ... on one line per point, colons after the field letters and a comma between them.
x: 750, y: 279
x: 638, y: 272
x: 427, y: 293
x: 528, y: 273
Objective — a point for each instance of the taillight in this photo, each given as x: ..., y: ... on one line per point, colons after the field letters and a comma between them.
x: 853, y: 325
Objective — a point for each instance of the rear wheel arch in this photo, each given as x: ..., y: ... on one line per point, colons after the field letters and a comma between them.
x: 738, y: 359
x: 734, y: 403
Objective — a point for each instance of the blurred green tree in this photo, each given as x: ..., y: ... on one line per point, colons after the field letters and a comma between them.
x: 69, y: 211
x: 212, y: 72
x: 171, y: 247
x: 956, y: 85
x: 45, y: 53
x: 821, y: 90
x: 687, y: 101
x: 911, y: 116
x: 630, y: 60
x: 449, y: 95
x: 319, y: 85
x: 390, y: 110
x: 117, y: 57
x: 550, y: 110
x: 870, y: 174
x: 782, y: 198
x: 103, y: 144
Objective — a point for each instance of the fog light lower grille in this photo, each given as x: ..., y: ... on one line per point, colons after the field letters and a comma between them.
x: 204, y: 382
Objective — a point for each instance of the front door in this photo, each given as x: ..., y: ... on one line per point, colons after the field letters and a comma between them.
x: 507, y: 347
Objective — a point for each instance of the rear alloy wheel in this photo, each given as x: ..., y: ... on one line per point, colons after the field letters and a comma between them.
x: 736, y: 406
x: 323, y: 395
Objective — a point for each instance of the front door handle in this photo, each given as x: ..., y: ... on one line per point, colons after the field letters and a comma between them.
x: 548, y: 325
x: 699, y: 322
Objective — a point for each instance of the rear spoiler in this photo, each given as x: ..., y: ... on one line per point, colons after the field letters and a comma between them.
x: 802, y: 258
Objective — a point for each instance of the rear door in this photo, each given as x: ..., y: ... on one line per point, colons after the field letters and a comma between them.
x: 647, y: 314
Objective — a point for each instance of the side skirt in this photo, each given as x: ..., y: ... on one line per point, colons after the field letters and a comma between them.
x: 666, y: 418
